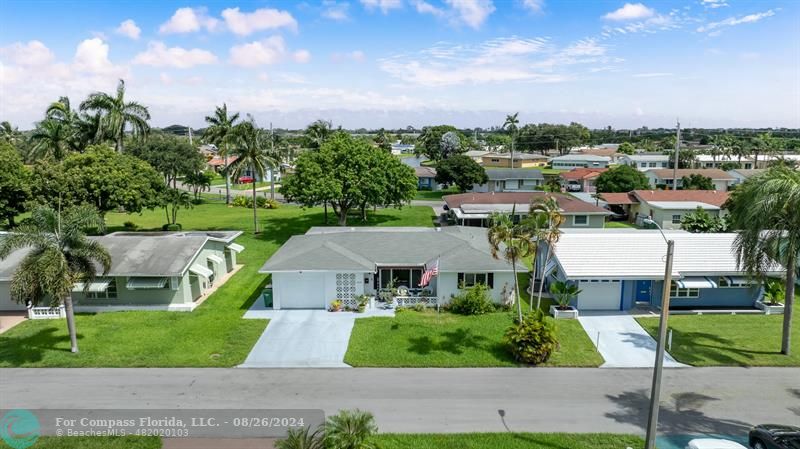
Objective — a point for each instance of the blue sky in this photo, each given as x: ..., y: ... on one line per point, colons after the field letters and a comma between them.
x: 393, y: 63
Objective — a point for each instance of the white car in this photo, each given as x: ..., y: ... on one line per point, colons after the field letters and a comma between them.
x: 713, y: 443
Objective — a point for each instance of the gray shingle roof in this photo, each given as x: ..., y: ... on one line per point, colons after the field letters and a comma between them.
x: 461, y: 249
x: 496, y: 174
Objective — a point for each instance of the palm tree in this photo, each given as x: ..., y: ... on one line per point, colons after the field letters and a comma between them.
x: 511, y: 124
x: 514, y: 241
x: 83, y: 128
x: 764, y: 144
x: 253, y: 152
x: 9, y: 133
x: 60, y: 256
x: 537, y: 225
x: 317, y: 133
x: 550, y: 234
x: 302, y: 439
x: 220, y: 133
x: 51, y: 138
x: 88, y: 130
x: 563, y: 292
x: 764, y: 210
x: 350, y: 429
x: 118, y: 113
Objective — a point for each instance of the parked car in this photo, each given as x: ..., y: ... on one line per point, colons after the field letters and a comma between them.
x: 574, y: 186
x: 713, y: 443
x: 616, y: 215
x: 246, y: 179
x: 775, y: 436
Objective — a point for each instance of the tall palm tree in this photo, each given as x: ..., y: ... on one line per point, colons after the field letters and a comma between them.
x: 220, y: 133
x: 764, y: 210
x: 350, y: 429
x: 9, y: 133
x: 537, y: 226
x: 550, y: 234
x: 60, y: 256
x: 253, y: 152
x: 317, y: 133
x: 118, y: 113
x: 514, y: 241
x: 83, y: 128
x: 51, y: 138
x: 511, y: 125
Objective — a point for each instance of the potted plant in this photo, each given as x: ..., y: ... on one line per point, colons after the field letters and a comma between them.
x: 363, y: 301
x: 563, y: 293
x: 389, y: 294
x: 771, y: 303
x: 336, y: 305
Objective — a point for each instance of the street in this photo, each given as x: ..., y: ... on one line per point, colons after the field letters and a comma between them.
x: 724, y: 401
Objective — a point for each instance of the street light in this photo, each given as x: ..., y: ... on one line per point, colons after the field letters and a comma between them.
x: 655, y: 392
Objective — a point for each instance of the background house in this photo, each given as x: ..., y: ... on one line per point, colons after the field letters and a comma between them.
x: 664, y: 177
x: 426, y: 178
x: 510, y: 180
x: 645, y: 161
x: 709, y: 161
x: 521, y: 160
x: 574, y: 160
x: 666, y: 207
x: 581, y: 179
x: 742, y: 175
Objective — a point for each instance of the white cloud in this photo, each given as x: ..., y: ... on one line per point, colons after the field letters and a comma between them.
x: 533, y: 5
x: 263, y: 76
x: 472, y: 12
x: 733, y: 21
x: 129, y: 29
x: 585, y: 47
x: 91, y: 56
x: 630, y: 11
x: 158, y: 55
x: 301, y: 56
x: 384, y: 5
x: 714, y: 3
x: 292, y: 78
x: 424, y: 7
x: 165, y: 79
x: 335, y: 10
x: 31, y: 54
x: 651, y: 75
x: 266, y: 51
x: 188, y: 20
x: 353, y: 56
x: 246, y: 23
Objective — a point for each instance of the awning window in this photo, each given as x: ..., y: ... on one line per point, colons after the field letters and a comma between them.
x: 146, y: 283
x: 96, y: 286
x: 201, y: 271
x: 216, y: 259
x: 738, y: 281
x: 695, y: 282
x: 235, y: 247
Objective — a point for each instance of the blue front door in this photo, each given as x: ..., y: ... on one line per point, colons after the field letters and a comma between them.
x: 644, y: 291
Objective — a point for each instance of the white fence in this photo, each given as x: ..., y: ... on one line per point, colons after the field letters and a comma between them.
x: 406, y: 301
x: 46, y: 313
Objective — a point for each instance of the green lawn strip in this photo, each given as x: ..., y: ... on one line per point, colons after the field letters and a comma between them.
x: 729, y: 340
x: 429, y: 195
x: 214, y: 335
x: 620, y: 224
x: 127, y: 442
x: 508, y: 441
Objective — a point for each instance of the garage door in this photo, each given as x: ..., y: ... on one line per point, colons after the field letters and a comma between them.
x: 6, y: 303
x: 299, y: 290
x: 599, y: 295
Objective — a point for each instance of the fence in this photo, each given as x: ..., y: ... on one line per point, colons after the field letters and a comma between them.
x: 46, y: 313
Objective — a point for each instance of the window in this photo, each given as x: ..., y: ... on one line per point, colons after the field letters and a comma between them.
x: 643, y: 164
x: 109, y: 293
x: 676, y: 219
x: 495, y: 160
x: 723, y: 282
x: 580, y: 220
x: 733, y: 282
x: 653, y: 164
x: 676, y: 292
x: 470, y: 279
x: 520, y: 183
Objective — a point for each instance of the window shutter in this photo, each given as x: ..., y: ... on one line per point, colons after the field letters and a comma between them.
x: 490, y: 280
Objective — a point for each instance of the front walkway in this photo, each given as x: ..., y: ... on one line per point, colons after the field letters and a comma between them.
x: 622, y: 341
x: 11, y: 319
x: 303, y: 338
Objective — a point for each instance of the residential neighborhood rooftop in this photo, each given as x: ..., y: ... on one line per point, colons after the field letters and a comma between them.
x: 582, y: 173
x: 517, y: 156
x: 425, y: 172
x: 647, y: 157
x: 497, y: 174
x: 713, y: 173
x: 503, y: 202
x: 582, y: 157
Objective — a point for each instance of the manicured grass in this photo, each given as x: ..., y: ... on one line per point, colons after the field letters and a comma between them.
x: 552, y: 171
x: 434, y: 195
x: 509, y: 441
x: 620, y: 225
x: 729, y: 340
x: 214, y: 334
x: 130, y: 442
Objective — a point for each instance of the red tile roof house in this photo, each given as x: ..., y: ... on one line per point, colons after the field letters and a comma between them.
x: 666, y: 207
x: 474, y: 209
x: 581, y: 179
x: 721, y: 179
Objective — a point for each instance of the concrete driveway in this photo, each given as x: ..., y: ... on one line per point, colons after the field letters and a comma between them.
x: 303, y: 338
x: 623, y: 342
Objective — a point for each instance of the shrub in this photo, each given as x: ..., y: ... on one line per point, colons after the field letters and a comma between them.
x: 473, y: 301
x: 261, y: 202
x: 336, y: 305
x: 350, y: 429
x: 418, y: 307
x: 533, y: 339
x: 130, y: 226
x: 272, y: 204
x: 300, y: 438
x: 243, y: 201
x: 172, y: 227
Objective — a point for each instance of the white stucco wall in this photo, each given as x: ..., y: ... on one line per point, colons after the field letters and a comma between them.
x: 447, y: 285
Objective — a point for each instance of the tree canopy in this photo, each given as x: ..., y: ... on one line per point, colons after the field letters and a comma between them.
x: 14, y: 183
x: 697, y: 182
x: 701, y: 221
x: 460, y: 170
x: 169, y: 155
x: 622, y: 178
x: 430, y: 143
x: 544, y: 137
x: 626, y: 148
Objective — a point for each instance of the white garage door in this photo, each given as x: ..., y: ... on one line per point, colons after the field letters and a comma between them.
x: 300, y: 290
x: 599, y: 295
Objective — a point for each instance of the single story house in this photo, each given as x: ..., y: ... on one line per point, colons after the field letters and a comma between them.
x: 666, y: 207
x: 610, y: 152
x: 426, y: 178
x: 570, y: 161
x: 709, y: 161
x: 617, y: 269
x: 476, y: 155
x: 521, y: 160
x: 741, y: 175
x: 474, y: 209
x: 402, y: 148
x: 645, y: 161
x: 510, y: 180
x: 664, y: 177
x: 581, y: 179
x: 341, y: 263
x: 149, y: 271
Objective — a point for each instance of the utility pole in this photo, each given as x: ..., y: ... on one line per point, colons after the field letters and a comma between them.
x: 677, y: 152
x: 272, y: 170
x: 190, y: 135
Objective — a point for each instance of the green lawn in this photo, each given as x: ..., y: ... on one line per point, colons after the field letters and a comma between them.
x: 729, y: 340
x: 214, y: 334
x: 434, y: 195
x: 509, y: 441
x: 552, y: 171
x: 620, y: 225
x: 131, y: 442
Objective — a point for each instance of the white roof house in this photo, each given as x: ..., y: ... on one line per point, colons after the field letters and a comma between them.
x: 645, y: 161
x: 570, y: 161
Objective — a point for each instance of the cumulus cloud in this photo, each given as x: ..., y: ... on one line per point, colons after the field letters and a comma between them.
x: 92, y: 56
x: 715, y: 27
x: 424, y: 7
x: 246, y: 23
x: 189, y: 20
x: 472, y: 12
x: 630, y: 11
x: 533, y: 5
x: 32, y: 53
x: 301, y: 56
x: 159, y: 55
x: 714, y: 3
x: 129, y: 29
x: 384, y: 5
x: 335, y: 10
x: 266, y: 51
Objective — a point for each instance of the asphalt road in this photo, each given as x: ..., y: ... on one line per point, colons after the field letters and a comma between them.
x: 724, y: 401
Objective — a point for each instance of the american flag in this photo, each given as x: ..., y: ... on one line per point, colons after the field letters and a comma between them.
x: 431, y: 270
